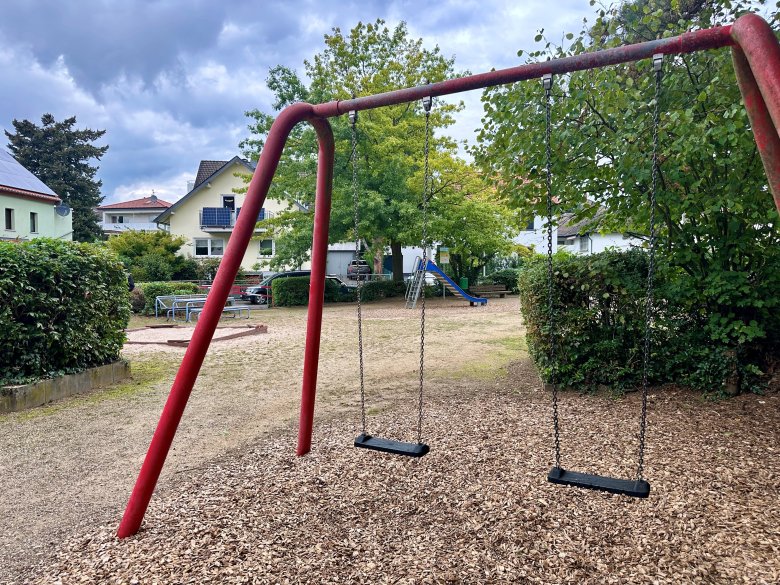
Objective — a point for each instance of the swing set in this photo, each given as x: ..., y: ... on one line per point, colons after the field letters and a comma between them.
x: 756, y: 57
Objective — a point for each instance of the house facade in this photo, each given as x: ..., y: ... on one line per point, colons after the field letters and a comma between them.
x: 29, y: 208
x: 137, y: 214
x: 207, y: 214
x: 578, y: 238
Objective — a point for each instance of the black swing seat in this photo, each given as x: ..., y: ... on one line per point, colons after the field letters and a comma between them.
x: 390, y: 446
x: 636, y: 488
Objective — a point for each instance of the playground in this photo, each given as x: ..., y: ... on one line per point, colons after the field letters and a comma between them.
x: 236, y: 505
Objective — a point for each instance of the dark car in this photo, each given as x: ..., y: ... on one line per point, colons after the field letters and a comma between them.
x: 358, y: 270
x: 261, y: 294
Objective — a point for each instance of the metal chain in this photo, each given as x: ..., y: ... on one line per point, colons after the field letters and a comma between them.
x: 658, y: 69
x: 427, y: 103
x: 547, y: 81
x: 353, y: 121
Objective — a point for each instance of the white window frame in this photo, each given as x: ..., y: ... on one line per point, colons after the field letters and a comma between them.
x: 584, y: 247
x: 260, y: 248
x: 33, y: 222
x: 209, y: 247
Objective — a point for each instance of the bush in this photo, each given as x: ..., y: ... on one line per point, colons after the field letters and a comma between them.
x: 63, y: 308
x: 137, y: 300
x: 507, y: 277
x: 382, y: 289
x: 599, y: 318
x: 290, y: 292
x: 152, y: 290
x: 599, y: 304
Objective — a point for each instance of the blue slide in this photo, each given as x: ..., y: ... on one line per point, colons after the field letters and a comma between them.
x: 451, y: 286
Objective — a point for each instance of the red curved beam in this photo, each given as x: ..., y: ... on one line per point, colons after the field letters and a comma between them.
x: 212, y: 310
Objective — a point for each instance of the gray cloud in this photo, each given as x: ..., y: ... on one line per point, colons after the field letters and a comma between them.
x: 170, y: 80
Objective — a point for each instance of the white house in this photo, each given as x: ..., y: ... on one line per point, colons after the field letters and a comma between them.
x: 207, y: 214
x: 30, y: 209
x: 579, y: 238
x: 137, y: 214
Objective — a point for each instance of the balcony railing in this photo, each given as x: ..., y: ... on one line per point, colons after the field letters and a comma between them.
x: 144, y: 226
x: 224, y: 217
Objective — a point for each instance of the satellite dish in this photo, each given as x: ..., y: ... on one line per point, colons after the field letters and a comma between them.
x: 62, y: 209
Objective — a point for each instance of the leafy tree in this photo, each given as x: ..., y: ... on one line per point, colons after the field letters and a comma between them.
x: 370, y: 59
x: 718, y: 224
x: 152, y: 256
x: 59, y: 156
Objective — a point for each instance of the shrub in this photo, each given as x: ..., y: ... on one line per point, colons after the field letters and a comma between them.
x: 507, y: 277
x: 63, y: 308
x: 599, y: 304
x: 382, y: 289
x: 290, y: 292
x: 152, y: 290
x: 599, y: 318
x: 137, y: 300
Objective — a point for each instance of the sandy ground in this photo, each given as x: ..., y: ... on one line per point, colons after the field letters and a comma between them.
x: 70, y: 467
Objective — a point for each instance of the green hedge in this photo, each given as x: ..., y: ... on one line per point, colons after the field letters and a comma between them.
x: 599, y: 304
x: 507, y: 277
x: 382, y: 289
x: 63, y: 308
x: 292, y: 292
x: 149, y: 291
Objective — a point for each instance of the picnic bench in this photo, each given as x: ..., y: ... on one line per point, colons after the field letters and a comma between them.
x: 235, y: 311
x: 164, y: 303
x: 489, y: 290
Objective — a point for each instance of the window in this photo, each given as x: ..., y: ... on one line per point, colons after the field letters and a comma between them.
x: 33, y: 222
x: 584, y: 243
x: 229, y: 201
x: 9, y: 219
x: 209, y: 247
x: 530, y: 226
x: 266, y: 248
x: 117, y: 219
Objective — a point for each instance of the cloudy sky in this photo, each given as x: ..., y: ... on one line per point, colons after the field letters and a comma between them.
x: 170, y: 80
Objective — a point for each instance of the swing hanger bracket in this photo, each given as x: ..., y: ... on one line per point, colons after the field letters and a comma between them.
x: 658, y: 62
x: 427, y: 103
x: 547, y: 80
x: 353, y: 116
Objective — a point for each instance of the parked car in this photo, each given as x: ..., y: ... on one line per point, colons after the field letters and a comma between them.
x: 358, y: 270
x: 261, y: 294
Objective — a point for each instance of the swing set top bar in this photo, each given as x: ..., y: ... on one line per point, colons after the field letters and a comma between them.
x: 756, y: 55
x: 711, y: 38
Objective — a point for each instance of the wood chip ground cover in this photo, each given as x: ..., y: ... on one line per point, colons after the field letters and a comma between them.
x: 477, y: 509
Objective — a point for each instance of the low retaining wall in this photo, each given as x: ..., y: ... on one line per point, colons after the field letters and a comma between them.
x: 22, y: 397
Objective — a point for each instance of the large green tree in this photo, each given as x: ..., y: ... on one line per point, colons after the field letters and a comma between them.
x: 60, y: 156
x: 370, y: 59
x: 718, y: 224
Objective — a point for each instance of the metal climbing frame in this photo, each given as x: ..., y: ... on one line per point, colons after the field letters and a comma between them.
x: 756, y: 55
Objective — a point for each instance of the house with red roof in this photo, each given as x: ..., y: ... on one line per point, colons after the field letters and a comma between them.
x: 137, y: 214
x: 28, y: 207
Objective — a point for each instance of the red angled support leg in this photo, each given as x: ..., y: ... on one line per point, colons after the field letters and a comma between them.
x: 204, y: 331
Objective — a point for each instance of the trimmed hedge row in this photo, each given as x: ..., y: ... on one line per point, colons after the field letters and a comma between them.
x: 599, y: 304
x: 63, y: 308
x: 142, y: 298
x: 289, y: 292
x: 292, y: 292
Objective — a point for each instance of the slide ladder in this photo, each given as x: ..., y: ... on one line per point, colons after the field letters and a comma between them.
x: 417, y: 281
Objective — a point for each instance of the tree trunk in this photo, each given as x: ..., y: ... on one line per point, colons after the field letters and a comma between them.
x: 398, y: 261
x: 379, y: 257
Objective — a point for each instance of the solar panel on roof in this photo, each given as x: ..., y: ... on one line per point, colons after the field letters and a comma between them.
x: 13, y: 174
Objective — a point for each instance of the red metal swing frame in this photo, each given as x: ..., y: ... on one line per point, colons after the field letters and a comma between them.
x: 756, y: 56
